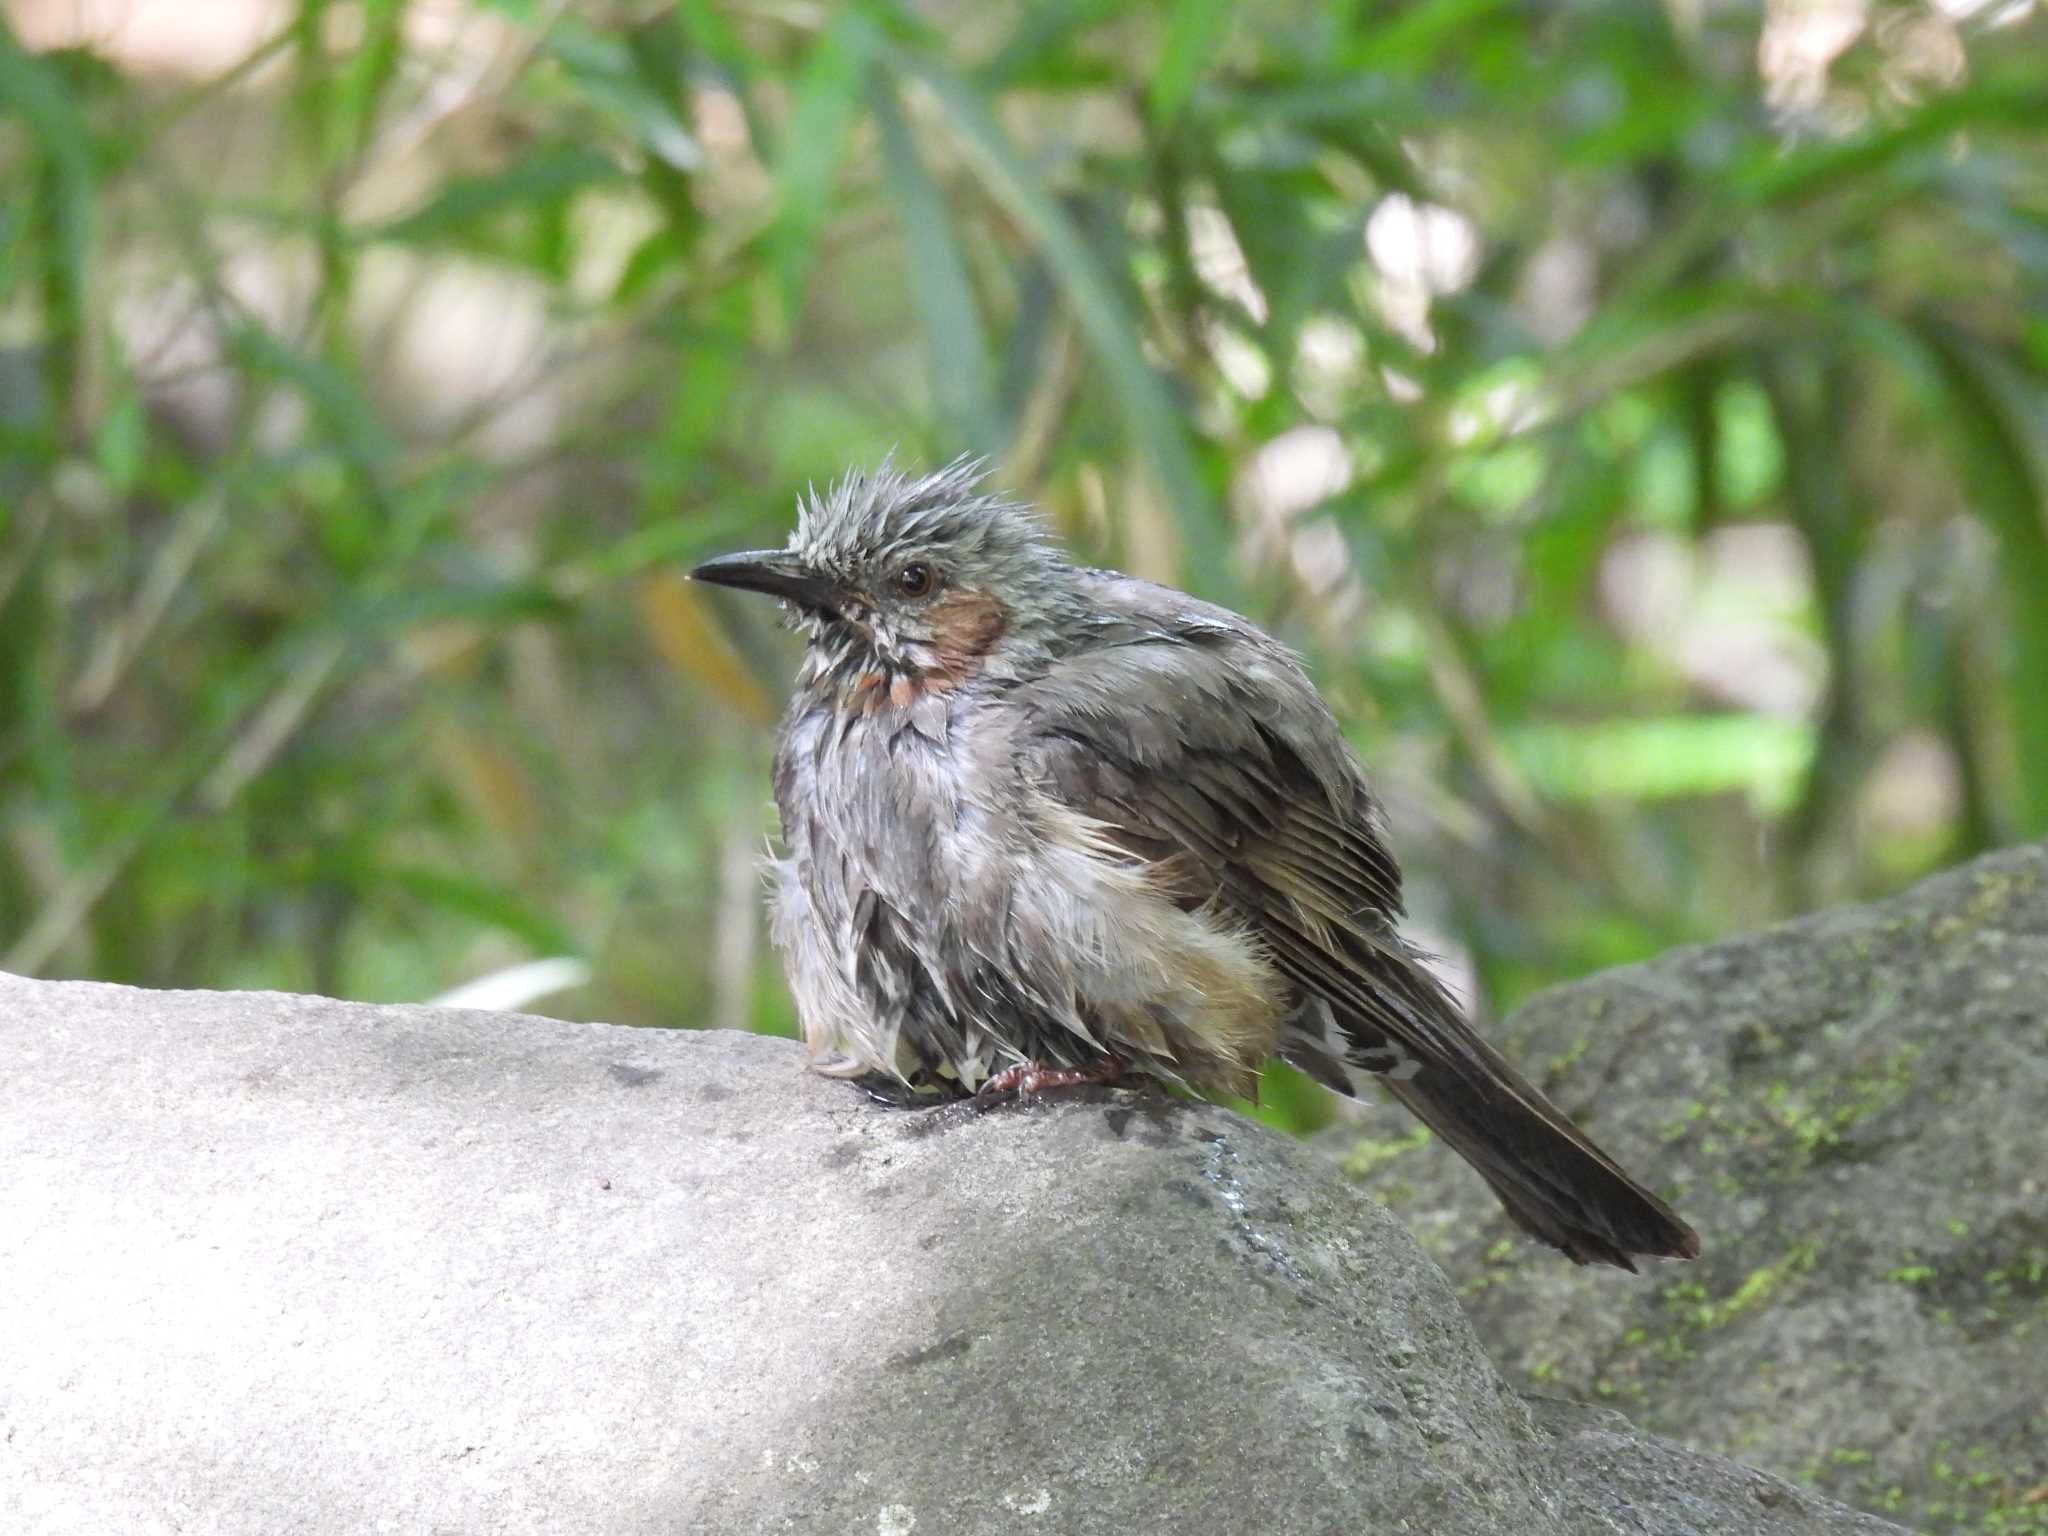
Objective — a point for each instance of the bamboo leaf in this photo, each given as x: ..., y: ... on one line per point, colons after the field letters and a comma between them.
x: 1665, y: 757
x: 963, y: 377
x: 612, y: 77
x: 449, y: 891
x: 1412, y: 37
x: 1773, y: 175
x: 62, y: 191
x: 828, y: 92
x: 548, y: 175
x: 369, y: 70
x: 1148, y: 408
x: 1807, y: 390
x: 1042, y: 51
x: 1998, y: 431
x: 340, y: 407
x: 1193, y: 35
x: 31, y: 716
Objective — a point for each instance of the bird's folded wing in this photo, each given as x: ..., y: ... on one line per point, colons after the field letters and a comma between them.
x: 1215, y: 762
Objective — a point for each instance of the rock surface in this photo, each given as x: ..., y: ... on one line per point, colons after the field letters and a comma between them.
x: 275, y: 1263
x: 1853, y: 1110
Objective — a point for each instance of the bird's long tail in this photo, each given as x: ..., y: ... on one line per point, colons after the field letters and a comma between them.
x: 1555, y: 1183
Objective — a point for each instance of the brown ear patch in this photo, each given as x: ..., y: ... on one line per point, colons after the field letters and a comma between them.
x: 964, y: 627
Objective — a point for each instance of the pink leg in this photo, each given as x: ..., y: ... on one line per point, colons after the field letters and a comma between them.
x: 1028, y: 1077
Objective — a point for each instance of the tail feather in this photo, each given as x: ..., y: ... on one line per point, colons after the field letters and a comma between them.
x: 1555, y: 1183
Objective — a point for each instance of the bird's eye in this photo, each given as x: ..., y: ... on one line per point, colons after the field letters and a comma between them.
x: 914, y: 580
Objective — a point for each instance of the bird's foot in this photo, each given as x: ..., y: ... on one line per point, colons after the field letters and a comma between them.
x: 1029, y: 1077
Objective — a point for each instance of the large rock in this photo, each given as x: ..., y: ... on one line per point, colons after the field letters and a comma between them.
x: 1853, y: 1110
x: 273, y: 1263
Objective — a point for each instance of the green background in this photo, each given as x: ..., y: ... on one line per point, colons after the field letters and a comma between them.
x: 1637, y: 414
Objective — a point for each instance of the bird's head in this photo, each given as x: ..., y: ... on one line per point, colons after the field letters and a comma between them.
x: 909, y: 580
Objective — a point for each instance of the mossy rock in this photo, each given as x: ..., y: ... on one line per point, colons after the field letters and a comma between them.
x: 1851, y: 1109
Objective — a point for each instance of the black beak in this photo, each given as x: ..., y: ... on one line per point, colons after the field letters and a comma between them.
x: 774, y: 572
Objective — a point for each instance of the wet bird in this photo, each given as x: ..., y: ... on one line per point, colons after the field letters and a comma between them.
x: 1046, y: 825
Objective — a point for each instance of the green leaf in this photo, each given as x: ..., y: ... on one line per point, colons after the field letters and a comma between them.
x: 61, y: 190
x: 673, y: 541
x: 1412, y: 38
x: 611, y: 76
x: 1148, y: 408
x: 660, y: 57
x: 1043, y: 50
x: 121, y: 443
x: 1195, y: 32
x: 369, y: 70
x: 386, y: 613
x: 1774, y: 175
x: 1751, y: 457
x: 828, y: 92
x: 963, y: 377
x: 1998, y: 432
x: 1807, y: 385
x: 343, y: 412
x: 549, y: 174
x: 1663, y: 758
x: 32, y: 727
x: 465, y: 896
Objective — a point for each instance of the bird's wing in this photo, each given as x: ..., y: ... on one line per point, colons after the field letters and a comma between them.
x: 1200, y: 747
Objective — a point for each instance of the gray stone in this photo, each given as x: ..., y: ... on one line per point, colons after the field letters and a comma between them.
x: 1851, y: 1109
x: 273, y: 1263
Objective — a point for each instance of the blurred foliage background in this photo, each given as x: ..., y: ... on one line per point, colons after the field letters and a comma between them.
x: 1637, y: 412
